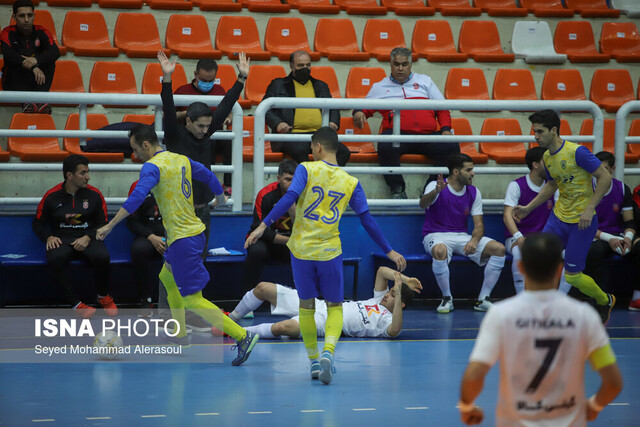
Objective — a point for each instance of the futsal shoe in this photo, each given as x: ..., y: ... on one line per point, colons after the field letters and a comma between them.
x: 635, y: 305
x: 605, y: 310
x: 446, y: 305
x: 184, y: 341
x: 109, y: 306
x: 315, y: 369
x: 84, y: 311
x: 483, y: 305
x: 326, y: 367
x: 244, y: 348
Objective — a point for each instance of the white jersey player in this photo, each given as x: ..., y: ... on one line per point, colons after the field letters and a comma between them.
x: 380, y: 316
x: 542, y: 339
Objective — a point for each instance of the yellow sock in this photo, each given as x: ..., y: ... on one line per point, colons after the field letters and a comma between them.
x: 175, y: 299
x: 333, y: 328
x: 309, y: 332
x: 212, y: 314
x: 587, y: 286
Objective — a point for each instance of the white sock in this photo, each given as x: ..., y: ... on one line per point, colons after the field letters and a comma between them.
x: 636, y: 295
x: 491, y: 275
x: 441, y: 271
x: 518, y: 278
x: 564, y: 287
x: 249, y: 302
x: 263, y: 329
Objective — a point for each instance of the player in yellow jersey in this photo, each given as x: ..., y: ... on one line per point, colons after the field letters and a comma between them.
x: 569, y: 169
x: 169, y: 176
x: 322, y: 191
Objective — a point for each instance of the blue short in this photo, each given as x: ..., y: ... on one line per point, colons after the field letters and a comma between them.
x: 319, y: 278
x: 185, y: 258
x: 576, y: 242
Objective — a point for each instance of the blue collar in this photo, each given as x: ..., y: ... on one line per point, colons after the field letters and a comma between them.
x: 397, y: 82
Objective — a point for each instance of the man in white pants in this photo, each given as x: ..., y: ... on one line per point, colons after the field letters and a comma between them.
x: 542, y: 339
x: 447, y: 206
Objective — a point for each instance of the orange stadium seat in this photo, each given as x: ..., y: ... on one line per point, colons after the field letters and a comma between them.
x: 503, y: 152
x: 324, y: 7
x: 514, y: 84
x: 611, y: 88
x: 461, y: 126
x: 466, y: 83
x: 170, y: 4
x: 152, y: 78
x: 361, y: 7
x: 218, y: 5
x: 361, y: 152
x: 146, y: 119
x: 634, y: 148
x: 455, y: 8
x: 67, y: 77
x: 608, y: 143
x: 86, y: 34
x: 32, y: 149
x: 547, y: 8
x: 260, y: 76
x: 481, y: 40
x: 44, y: 18
x: 620, y: 40
x: 327, y: 75
x: 267, y: 6
x: 72, y: 3
x: 188, y: 36
x: 136, y: 34
x: 120, y: 4
x: 113, y: 77
x: 408, y: 7
x: 381, y: 36
x: 94, y: 122
x: 500, y: 7
x: 361, y: 79
x: 240, y: 34
x: 226, y: 77
x: 433, y: 40
x: 592, y: 8
x: 565, y: 84
x: 336, y: 39
x: 4, y: 155
x: 284, y: 36
x: 575, y: 39
x: 248, y: 131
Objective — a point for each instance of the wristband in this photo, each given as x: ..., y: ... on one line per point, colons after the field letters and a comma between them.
x: 630, y: 235
x: 606, y: 237
x: 240, y: 76
x: 465, y: 407
x: 594, y: 405
x: 517, y: 235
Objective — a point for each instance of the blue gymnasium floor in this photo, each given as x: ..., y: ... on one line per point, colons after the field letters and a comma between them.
x: 411, y: 381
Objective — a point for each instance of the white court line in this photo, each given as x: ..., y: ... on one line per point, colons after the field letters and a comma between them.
x: 311, y: 410
x: 153, y: 416
x: 416, y: 407
x: 619, y: 404
x: 208, y: 413
x: 44, y: 420
x: 363, y: 409
x: 98, y: 418
x: 259, y: 412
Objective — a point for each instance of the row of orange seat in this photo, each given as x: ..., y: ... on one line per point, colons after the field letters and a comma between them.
x: 609, y: 88
x: 586, y: 8
x: 48, y: 149
x: 136, y: 34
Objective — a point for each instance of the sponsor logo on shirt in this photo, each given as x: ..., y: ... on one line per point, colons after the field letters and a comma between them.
x: 85, y: 204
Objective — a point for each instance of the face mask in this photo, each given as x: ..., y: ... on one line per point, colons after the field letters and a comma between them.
x: 205, y: 86
x: 302, y: 75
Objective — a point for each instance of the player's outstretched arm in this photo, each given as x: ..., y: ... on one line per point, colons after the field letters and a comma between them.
x: 104, y: 231
x: 385, y: 274
x: 472, y: 384
x: 394, y: 329
x: 520, y: 212
x: 609, y: 388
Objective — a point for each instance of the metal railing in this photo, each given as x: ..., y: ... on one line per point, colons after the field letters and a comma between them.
x: 621, y: 140
x: 326, y: 104
x: 82, y: 100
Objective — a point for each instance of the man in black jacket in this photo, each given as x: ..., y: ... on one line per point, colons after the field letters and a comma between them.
x: 194, y: 138
x: 300, y: 84
x: 30, y: 55
x: 66, y: 221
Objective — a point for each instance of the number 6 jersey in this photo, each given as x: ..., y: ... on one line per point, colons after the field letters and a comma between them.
x: 542, y: 340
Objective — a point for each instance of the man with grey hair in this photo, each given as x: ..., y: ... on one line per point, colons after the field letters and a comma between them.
x: 300, y: 84
x: 403, y: 84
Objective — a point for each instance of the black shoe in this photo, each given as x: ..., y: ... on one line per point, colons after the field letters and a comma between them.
x: 605, y: 310
x: 44, y: 108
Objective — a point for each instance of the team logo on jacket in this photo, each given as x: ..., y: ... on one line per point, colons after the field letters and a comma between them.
x: 37, y: 43
x: 616, y: 207
x: 416, y: 86
x: 85, y: 204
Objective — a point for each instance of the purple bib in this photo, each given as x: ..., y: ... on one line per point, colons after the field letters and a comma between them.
x: 609, y: 209
x: 449, y: 213
x: 535, y: 221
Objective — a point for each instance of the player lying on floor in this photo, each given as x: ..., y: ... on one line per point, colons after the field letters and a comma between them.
x: 380, y: 316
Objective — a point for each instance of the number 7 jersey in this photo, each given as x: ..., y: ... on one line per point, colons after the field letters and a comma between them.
x: 315, y: 235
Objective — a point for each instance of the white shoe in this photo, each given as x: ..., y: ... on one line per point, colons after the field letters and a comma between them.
x: 483, y: 305
x: 249, y: 315
x: 446, y: 305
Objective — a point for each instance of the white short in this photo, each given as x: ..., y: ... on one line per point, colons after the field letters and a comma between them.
x: 455, y: 243
x: 288, y: 304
